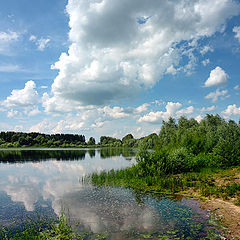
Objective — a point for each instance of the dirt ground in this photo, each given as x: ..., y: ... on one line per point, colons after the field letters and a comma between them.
x: 229, y: 215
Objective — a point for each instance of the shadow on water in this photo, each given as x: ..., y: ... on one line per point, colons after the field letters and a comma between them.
x: 14, y: 156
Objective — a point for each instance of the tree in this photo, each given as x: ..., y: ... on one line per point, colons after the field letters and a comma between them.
x: 91, y: 141
x: 168, y: 132
x: 127, y: 137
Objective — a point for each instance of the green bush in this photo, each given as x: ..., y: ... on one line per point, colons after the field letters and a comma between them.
x: 180, y: 160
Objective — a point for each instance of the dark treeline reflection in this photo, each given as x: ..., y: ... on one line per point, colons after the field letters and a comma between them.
x: 13, y: 156
x: 111, y: 152
x: 41, y: 155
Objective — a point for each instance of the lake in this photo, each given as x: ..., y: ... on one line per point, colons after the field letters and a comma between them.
x: 49, y: 181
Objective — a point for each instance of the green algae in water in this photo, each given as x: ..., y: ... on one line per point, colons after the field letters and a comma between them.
x: 62, y: 228
x: 146, y: 217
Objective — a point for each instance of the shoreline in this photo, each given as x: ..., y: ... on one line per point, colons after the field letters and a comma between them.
x: 227, y: 214
x: 87, y: 147
x: 224, y: 212
x: 216, y: 190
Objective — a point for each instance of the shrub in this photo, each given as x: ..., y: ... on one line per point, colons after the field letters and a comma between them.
x: 180, y: 160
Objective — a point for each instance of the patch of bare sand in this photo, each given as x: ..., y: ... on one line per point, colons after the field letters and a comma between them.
x: 229, y: 213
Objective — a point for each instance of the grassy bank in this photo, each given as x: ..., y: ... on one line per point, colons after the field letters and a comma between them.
x: 218, y: 183
x: 195, y: 157
x: 218, y: 190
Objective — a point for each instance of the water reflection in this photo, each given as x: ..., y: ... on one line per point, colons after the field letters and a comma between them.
x: 17, y: 156
x: 34, y: 177
x: 51, y: 182
x: 116, y: 210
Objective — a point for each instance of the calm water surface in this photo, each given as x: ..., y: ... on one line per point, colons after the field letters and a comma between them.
x: 49, y: 181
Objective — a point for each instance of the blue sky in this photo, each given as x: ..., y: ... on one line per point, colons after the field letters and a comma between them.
x: 104, y: 67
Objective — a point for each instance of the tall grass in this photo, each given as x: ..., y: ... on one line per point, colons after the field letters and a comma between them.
x: 204, y: 182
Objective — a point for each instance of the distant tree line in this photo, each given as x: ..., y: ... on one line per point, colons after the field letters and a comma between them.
x: 149, y: 141
x: 20, y: 139
x: 210, y: 139
x: 34, y: 139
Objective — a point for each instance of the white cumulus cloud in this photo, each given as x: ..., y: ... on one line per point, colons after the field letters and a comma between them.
x: 215, y: 95
x: 231, y: 110
x: 26, y: 97
x: 185, y: 111
x: 141, y: 109
x: 217, y: 77
x: 44, y: 87
x: 172, y: 70
x: 45, y: 126
x: 114, y: 113
x: 172, y: 110
x: 32, y: 38
x: 113, y: 54
x: 198, y: 118
x: 33, y: 112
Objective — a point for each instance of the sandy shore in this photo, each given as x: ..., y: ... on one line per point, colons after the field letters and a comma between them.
x: 227, y: 213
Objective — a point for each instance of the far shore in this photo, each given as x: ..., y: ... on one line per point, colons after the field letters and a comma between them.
x: 88, y: 147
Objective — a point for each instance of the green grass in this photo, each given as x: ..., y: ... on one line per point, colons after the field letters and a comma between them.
x: 205, y: 183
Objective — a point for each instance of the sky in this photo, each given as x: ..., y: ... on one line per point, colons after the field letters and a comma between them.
x: 110, y: 67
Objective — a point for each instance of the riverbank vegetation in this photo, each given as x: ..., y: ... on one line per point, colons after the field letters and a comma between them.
x: 188, y: 156
x: 200, y: 159
x: 219, y: 183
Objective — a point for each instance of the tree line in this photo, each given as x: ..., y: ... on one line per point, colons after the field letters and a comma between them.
x: 20, y: 139
x: 210, y: 139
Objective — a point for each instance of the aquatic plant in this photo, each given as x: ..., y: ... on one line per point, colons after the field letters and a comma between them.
x: 42, y: 228
x: 204, y: 182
